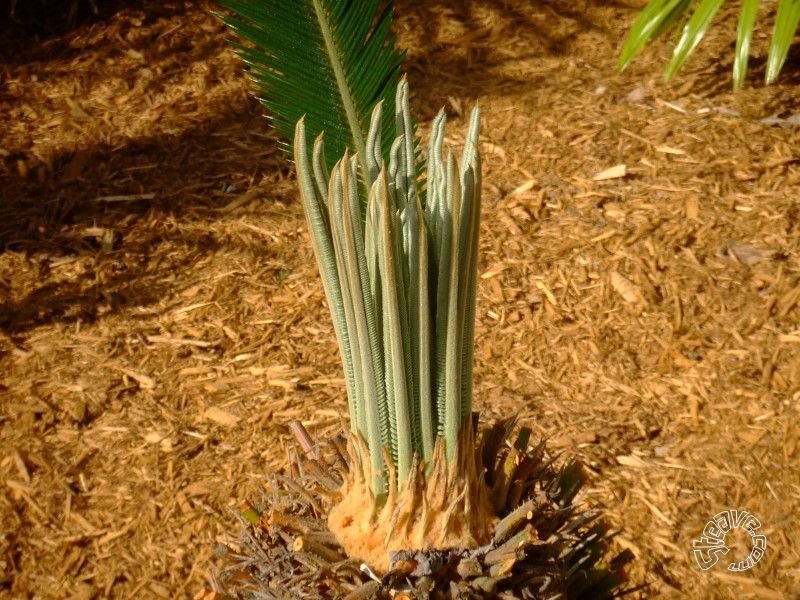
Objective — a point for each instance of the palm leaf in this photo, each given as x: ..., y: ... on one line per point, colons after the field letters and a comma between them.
x: 744, y: 34
x: 659, y: 15
x: 786, y: 22
x: 693, y: 32
x: 330, y: 60
x: 656, y: 17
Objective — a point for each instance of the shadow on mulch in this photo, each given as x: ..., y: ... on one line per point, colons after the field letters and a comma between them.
x: 449, y: 59
x: 104, y: 190
x: 87, y: 299
x: 84, y: 203
x: 29, y: 25
x: 105, y: 184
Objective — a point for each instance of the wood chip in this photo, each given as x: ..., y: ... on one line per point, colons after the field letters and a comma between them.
x: 670, y: 150
x: 614, y: 172
x: 220, y: 416
x: 165, y: 339
x: 143, y: 380
x: 626, y: 289
x: 631, y: 461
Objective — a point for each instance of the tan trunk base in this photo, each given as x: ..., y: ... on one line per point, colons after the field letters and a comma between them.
x: 446, y: 508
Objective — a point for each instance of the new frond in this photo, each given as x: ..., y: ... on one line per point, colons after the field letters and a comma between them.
x: 400, y: 281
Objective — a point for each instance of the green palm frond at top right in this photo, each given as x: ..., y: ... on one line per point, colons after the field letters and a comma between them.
x: 658, y: 16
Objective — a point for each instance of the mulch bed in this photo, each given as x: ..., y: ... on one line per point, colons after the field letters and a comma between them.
x: 162, y: 320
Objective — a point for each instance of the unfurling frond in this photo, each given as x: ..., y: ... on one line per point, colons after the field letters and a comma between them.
x: 401, y: 283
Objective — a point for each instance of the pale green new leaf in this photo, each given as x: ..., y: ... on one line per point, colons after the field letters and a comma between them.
x: 314, y: 194
x: 394, y: 336
x: 452, y: 319
x: 471, y: 209
x: 346, y: 230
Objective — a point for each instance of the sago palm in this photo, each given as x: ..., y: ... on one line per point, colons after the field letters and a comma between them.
x: 417, y: 499
x: 658, y: 16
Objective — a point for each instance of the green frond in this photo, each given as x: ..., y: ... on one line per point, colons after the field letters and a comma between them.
x: 330, y: 60
x: 660, y: 15
x: 693, y: 32
x: 786, y: 21
x: 744, y: 34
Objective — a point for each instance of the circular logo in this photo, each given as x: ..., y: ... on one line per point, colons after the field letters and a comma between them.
x: 711, y: 544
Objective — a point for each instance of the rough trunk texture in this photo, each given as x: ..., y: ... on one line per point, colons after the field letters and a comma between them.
x: 448, y: 507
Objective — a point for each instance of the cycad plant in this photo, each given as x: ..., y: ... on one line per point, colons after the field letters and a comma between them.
x: 396, y: 242
x: 400, y: 280
x: 658, y: 16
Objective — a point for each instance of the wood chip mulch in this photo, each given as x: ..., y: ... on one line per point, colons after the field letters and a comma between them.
x: 162, y: 320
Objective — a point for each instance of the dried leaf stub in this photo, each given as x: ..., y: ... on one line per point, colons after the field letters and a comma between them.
x: 637, y: 94
x: 614, y: 172
x: 746, y: 254
x: 629, y: 291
